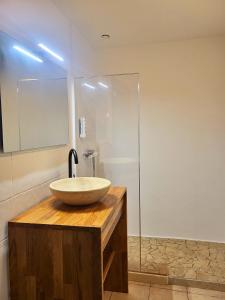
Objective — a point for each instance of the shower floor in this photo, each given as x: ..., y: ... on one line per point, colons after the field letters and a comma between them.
x: 183, y: 259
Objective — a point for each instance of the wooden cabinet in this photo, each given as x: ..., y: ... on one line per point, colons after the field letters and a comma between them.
x: 59, y: 252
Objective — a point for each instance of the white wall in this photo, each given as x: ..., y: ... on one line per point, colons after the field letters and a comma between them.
x: 25, y: 176
x: 182, y: 102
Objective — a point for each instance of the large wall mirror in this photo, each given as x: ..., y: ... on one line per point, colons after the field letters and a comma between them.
x: 34, y: 99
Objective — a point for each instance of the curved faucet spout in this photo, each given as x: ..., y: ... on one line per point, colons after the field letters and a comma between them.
x: 72, y: 153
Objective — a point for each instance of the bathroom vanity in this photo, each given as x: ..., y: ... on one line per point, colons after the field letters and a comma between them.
x: 60, y: 252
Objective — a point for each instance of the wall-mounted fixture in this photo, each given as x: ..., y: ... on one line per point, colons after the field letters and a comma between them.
x: 82, y: 127
x: 89, y: 86
x: 49, y: 51
x: 103, y: 85
x: 27, y: 53
x: 91, y: 154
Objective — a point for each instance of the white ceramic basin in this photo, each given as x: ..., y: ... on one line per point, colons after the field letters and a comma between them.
x: 80, y: 190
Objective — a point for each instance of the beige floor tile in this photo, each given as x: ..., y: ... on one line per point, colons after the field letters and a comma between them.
x: 139, y: 283
x: 201, y: 297
x: 136, y: 292
x: 204, y: 293
x: 166, y: 294
x: 178, y: 288
x: 107, y: 295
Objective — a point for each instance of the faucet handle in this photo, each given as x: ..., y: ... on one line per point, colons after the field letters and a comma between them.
x: 90, y: 153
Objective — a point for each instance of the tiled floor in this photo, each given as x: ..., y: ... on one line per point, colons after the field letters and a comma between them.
x: 138, y: 291
x: 183, y: 259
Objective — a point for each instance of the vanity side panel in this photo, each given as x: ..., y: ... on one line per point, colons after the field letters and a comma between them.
x: 117, y: 278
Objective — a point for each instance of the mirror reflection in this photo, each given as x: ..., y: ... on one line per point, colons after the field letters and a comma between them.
x: 34, y: 100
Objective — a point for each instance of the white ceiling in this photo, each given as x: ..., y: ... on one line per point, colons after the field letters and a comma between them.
x: 32, y: 22
x: 132, y: 22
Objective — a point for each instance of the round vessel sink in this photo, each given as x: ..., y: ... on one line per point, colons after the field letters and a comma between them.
x: 80, y: 190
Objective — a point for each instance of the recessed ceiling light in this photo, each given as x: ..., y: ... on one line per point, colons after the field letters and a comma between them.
x: 105, y: 36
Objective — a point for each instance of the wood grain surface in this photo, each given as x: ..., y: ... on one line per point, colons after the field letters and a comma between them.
x: 58, y: 252
x: 53, y: 212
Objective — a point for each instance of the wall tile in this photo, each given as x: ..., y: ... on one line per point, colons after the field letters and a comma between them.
x: 4, y: 287
x: 5, y: 176
x: 19, y: 203
x: 12, y: 207
x: 8, y: 210
x: 33, y: 168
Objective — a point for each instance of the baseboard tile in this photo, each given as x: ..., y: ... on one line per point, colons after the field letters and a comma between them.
x: 148, y: 278
x: 165, y: 280
x: 198, y: 284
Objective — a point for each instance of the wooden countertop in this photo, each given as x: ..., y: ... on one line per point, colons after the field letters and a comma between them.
x: 52, y: 212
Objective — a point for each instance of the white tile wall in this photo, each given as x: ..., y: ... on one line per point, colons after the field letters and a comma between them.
x: 5, y: 176
x: 4, y: 290
x: 24, y: 181
x: 20, y: 202
x: 43, y: 165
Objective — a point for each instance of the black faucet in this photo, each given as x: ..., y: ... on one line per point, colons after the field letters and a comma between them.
x: 72, y: 153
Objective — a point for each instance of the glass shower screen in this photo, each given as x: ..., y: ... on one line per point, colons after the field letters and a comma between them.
x: 107, y: 113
